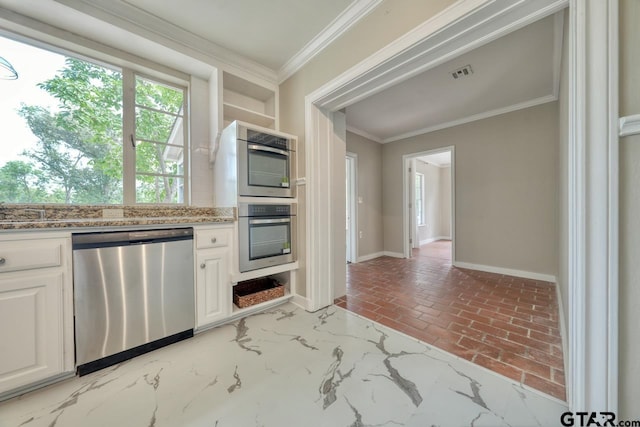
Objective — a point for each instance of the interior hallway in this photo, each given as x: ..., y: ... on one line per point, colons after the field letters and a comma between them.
x: 507, y: 324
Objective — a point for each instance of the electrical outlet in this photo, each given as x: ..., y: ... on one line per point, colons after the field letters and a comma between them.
x: 113, y: 213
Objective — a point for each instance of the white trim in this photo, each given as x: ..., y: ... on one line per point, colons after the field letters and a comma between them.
x: 393, y: 254
x: 434, y: 239
x: 380, y: 254
x: 475, y: 117
x: 460, y: 28
x: 593, y: 206
x: 300, y: 181
x: 558, y: 36
x: 364, y: 134
x: 370, y: 256
x: 352, y: 181
x: 629, y: 125
x: 137, y: 21
x: 319, y: 243
x: 613, y: 199
x: 506, y: 271
x: 340, y: 25
x: 301, y: 302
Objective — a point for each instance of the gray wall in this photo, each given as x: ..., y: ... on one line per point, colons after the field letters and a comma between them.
x: 370, y: 189
x: 629, y: 391
x: 506, y: 180
x: 396, y: 17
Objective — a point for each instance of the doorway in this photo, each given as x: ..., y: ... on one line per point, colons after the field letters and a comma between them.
x: 351, y: 175
x: 429, y: 199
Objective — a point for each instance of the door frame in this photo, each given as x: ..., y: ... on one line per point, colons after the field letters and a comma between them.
x: 592, y: 377
x: 407, y: 161
x: 352, y: 182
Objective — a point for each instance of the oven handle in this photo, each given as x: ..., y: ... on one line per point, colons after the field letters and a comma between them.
x: 269, y: 149
x: 269, y: 221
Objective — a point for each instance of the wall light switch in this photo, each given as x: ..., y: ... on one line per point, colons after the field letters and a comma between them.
x: 360, y: 199
x: 360, y: 234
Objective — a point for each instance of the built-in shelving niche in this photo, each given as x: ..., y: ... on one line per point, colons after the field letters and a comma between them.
x: 286, y: 278
x: 247, y: 101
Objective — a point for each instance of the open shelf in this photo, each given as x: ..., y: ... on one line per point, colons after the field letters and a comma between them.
x: 233, y: 112
x: 241, y: 312
x: 248, y: 101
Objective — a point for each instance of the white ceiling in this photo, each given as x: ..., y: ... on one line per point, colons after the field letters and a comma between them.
x: 269, y: 38
x: 267, y: 32
x: 515, y: 71
x: 439, y: 159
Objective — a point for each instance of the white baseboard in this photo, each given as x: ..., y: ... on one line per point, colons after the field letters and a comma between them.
x: 434, y: 239
x: 506, y: 271
x: 301, y: 302
x: 394, y: 254
x: 370, y: 256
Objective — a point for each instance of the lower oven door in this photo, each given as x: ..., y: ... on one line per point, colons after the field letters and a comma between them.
x: 266, y: 241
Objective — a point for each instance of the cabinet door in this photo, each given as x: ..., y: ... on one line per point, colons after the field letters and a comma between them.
x: 31, y: 336
x: 212, y: 284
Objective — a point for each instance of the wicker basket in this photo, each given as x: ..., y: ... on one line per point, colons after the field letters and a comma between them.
x: 252, y: 292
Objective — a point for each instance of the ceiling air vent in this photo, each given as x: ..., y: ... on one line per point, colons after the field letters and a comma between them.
x: 462, y: 72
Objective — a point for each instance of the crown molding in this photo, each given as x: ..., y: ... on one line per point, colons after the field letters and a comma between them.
x: 475, y: 23
x: 475, y: 117
x: 340, y: 25
x: 364, y: 134
x: 137, y: 21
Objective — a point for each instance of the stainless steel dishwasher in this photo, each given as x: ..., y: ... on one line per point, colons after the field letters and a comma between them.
x: 133, y: 293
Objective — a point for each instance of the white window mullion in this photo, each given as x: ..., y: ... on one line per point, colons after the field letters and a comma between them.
x: 128, y: 137
x: 186, y: 193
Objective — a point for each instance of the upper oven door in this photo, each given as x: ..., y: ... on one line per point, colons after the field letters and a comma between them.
x: 265, y: 169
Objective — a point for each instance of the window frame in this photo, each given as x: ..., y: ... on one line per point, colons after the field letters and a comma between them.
x: 130, y: 66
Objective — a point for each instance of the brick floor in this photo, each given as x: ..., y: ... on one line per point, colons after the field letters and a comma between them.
x: 504, y: 323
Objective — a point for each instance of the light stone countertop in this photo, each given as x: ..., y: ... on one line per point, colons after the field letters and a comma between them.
x: 28, y: 216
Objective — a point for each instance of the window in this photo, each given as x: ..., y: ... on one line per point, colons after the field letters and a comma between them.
x: 419, y: 198
x: 63, y: 124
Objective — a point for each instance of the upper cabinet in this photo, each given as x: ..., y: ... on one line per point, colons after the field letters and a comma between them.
x: 248, y: 101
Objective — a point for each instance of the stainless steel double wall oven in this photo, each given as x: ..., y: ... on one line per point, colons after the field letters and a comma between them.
x: 255, y: 170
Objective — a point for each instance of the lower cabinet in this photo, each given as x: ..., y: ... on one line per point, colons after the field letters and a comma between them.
x: 212, y: 286
x: 36, y: 312
x: 214, y: 263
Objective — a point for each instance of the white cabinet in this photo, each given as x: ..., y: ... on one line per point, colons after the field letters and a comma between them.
x: 36, y: 312
x: 214, y: 263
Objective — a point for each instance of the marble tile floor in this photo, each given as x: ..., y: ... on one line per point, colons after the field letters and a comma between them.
x: 288, y: 367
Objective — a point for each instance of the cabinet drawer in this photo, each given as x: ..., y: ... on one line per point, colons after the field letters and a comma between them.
x: 213, y: 238
x: 19, y: 255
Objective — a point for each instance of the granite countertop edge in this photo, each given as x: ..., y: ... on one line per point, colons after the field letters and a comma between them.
x: 110, y: 222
